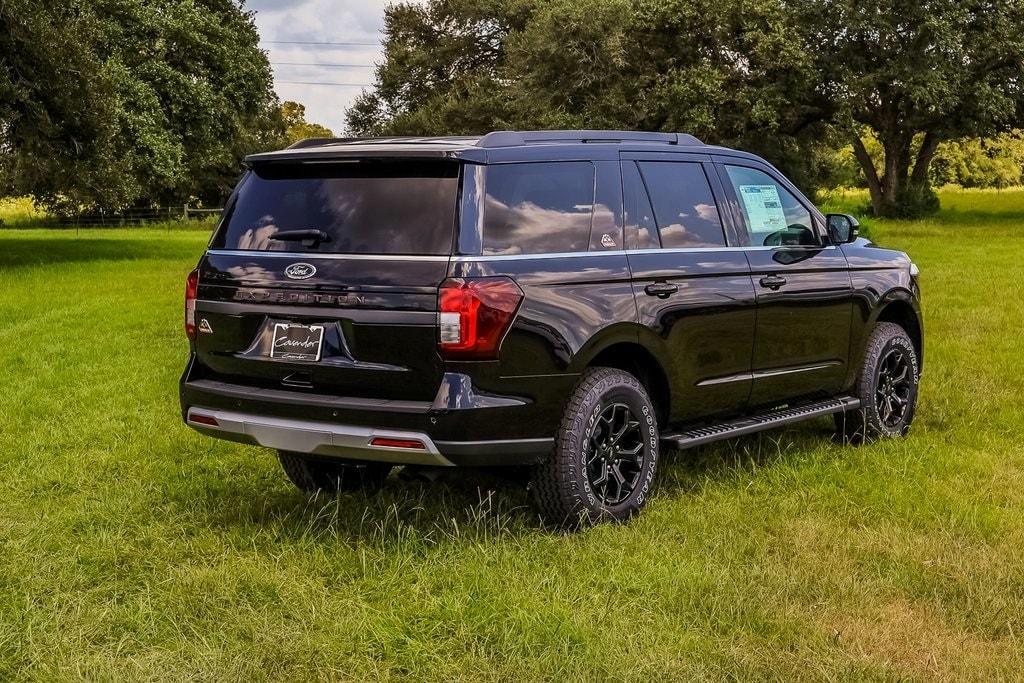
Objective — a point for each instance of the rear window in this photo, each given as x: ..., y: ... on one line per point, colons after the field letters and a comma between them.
x: 683, y: 205
x: 538, y: 208
x: 364, y: 208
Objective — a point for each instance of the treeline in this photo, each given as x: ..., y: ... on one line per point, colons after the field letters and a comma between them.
x: 795, y: 80
x: 110, y: 104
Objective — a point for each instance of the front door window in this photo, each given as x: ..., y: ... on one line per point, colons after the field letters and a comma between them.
x: 773, y: 217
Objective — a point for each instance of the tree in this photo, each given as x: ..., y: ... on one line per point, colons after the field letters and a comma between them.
x: 443, y: 69
x: 119, y: 103
x: 722, y: 70
x: 915, y: 73
x: 296, y: 127
x: 791, y: 79
x: 57, y: 113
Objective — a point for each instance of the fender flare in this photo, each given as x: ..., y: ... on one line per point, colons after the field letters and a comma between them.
x: 899, y: 296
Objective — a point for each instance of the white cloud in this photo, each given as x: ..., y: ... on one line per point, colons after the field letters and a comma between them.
x: 331, y: 21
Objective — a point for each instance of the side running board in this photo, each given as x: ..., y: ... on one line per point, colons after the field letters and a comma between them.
x: 751, y: 424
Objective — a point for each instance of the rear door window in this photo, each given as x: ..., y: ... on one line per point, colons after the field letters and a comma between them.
x: 363, y: 208
x: 538, y: 208
x: 684, y: 207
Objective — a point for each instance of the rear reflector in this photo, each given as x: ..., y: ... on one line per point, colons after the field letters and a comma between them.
x: 203, y: 419
x: 384, y: 442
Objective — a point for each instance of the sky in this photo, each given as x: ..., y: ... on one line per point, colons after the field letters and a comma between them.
x: 283, y: 24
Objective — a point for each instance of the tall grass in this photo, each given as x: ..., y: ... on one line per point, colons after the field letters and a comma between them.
x: 19, y: 211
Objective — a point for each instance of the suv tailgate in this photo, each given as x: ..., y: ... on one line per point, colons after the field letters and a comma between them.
x: 368, y: 289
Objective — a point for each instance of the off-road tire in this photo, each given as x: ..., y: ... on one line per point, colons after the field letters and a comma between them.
x: 311, y: 474
x: 563, y: 491
x: 868, y: 423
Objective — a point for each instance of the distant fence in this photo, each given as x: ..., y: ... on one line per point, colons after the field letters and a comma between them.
x: 128, y: 217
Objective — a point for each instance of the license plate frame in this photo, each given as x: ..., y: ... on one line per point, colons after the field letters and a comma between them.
x: 294, y: 346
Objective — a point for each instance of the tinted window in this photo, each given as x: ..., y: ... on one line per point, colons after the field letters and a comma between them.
x: 684, y: 207
x: 365, y: 208
x: 641, y: 231
x: 773, y: 215
x: 538, y: 208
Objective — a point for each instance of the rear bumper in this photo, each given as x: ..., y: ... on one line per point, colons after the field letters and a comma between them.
x: 503, y: 430
x: 315, y: 438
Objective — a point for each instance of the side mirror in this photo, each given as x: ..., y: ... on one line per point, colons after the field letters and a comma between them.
x: 842, y: 228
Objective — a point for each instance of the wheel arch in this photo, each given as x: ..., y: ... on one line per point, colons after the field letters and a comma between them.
x: 900, y: 307
x: 631, y: 357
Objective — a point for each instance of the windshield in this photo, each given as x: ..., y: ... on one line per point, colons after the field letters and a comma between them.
x: 344, y: 208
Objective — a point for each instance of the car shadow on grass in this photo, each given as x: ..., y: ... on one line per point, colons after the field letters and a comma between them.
x: 429, y: 507
x: 740, y: 459
x: 420, y: 508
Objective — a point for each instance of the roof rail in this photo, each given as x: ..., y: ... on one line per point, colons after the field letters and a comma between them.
x: 403, y: 139
x: 509, y: 138
x: 316, y: 142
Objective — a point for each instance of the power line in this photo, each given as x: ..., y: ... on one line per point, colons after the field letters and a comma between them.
x: 355, y: 85
x: 319, y: 64
x: 309, y: 42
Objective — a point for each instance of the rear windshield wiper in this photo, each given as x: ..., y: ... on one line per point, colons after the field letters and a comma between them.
x: 313, y: 237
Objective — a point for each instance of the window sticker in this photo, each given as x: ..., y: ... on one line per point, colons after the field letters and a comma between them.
x: 764, y: 208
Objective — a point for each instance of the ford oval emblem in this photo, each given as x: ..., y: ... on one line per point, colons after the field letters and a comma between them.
x: 300, y: 271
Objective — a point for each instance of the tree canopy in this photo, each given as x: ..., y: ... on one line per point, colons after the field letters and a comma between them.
x: 297, y: 128
x: 914, y: 73
x: 790, y: 79
x: 106, y: 104
x: 707, y: 67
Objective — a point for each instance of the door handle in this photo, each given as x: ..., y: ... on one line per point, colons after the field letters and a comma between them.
x: 773, y: 282
x: 662, y: 290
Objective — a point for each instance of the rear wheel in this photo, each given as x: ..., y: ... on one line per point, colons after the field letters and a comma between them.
x: 311, y: 474
x: 606, y: 453
x: 887, y: 388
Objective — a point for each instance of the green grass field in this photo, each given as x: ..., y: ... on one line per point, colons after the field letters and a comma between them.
x: 132, y: 548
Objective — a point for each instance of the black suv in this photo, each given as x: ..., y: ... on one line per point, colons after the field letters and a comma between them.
x: 575, y: 301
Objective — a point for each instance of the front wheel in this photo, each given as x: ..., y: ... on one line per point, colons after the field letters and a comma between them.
x: 887, y: 388
x: 606, y: 453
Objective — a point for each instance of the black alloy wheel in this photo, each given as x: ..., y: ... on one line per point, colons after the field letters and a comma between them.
x: 893, y: 387
x: 615, y: 454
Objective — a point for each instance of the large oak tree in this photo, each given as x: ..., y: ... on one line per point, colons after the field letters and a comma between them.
x: 916, y: 73
x: 786, y: 78
x: 106, y: 104
x: 720, y: 69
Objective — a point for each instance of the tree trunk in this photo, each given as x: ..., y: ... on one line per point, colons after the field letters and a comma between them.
x: 897, y: 164
x: 870, y: 173
x: 903, y: 188
x: 919, y: 176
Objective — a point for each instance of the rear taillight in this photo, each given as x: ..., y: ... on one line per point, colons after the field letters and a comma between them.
x: 474, y: 314
x: 191, y: 287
